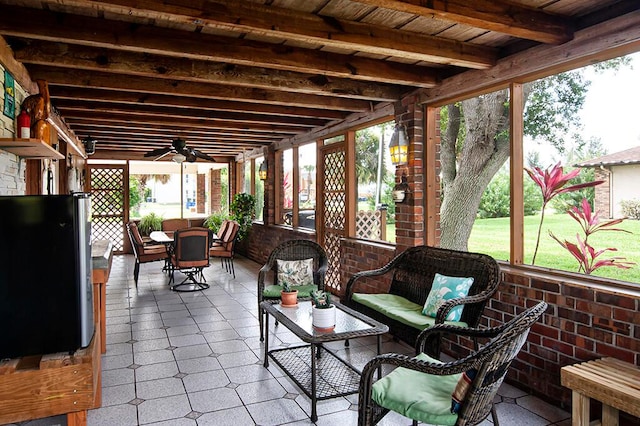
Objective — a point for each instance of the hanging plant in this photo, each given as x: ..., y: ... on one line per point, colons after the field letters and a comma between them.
x: 242, y: 210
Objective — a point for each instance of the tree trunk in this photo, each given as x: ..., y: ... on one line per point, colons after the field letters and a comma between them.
x: 465, y: 177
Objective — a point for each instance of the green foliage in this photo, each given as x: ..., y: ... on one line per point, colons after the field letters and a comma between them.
x: 321, y: 299
x: 367, y: 151
x: 135, y: 196
x: 631, y: 208
x: 214, y: 221
x: 243, y: 211
x: 495, y: 201
x: 150, y: 222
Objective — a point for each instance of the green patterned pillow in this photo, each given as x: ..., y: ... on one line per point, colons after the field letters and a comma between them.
x: 446, y: 288
x: 295, y: 272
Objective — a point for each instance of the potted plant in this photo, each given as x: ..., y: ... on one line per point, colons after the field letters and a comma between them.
x: 288, y: 295
x: 323, y: 312
x: 214, y: 221
x: 149, y: 223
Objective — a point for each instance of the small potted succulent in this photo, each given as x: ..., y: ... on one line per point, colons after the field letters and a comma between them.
x: 323, y: 312
x: 288, y: 295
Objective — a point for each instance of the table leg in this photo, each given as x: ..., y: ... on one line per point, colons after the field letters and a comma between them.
x: 314, y: 414
x: 610, y: 416
x: 379, y: 337
x: 579, y: 410
x: 266, y: 339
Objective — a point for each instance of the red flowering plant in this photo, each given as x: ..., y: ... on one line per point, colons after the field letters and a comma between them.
x: 584, y: 253
x: 552, y: 182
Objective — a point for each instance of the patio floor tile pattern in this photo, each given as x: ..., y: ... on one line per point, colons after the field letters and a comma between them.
x: 195, y: 359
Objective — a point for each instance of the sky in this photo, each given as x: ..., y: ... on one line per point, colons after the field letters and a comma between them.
x: 612, y: 108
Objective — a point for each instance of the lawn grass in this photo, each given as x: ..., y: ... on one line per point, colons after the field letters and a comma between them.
x: 491, y: 236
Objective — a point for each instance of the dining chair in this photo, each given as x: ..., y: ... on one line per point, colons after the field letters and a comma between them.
x: 224, y: 246
x: 283, y: 255
x: 190, y: 255
x: 459, y: 392
x: 144, y: 252
x: 170, y: 226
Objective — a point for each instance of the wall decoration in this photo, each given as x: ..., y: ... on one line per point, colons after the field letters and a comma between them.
x: 9, y: 96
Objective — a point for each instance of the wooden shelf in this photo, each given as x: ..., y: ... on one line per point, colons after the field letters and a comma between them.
x: 29, y: 148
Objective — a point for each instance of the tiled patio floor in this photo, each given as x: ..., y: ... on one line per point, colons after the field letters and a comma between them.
x: 195, y: 359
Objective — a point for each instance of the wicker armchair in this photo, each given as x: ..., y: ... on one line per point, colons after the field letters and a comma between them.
x: 289, y: 250
x: 421, y: 389
x: 411, y: 274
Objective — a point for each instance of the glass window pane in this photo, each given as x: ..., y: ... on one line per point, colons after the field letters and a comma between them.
x: 287, y: 186
x: 259, y: 189
x: 307, y: 186
x: 247, y: 177
x: 375, y: 219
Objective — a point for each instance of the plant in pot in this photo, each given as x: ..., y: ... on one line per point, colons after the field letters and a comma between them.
x: 149, y: 223
x: 214, y: 221
x: 288, y: 295
x: 242, y: 210
x: 323, y: 311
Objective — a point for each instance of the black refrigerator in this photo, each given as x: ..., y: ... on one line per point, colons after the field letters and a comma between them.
x: 46, y: 297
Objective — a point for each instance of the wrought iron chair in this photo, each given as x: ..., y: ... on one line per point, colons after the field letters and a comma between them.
x: 224, y: 246
x: 170, y: 226
x: 190, y: 255
x: 421, y: 388
x: 289, y: 251
x: 144, y: 252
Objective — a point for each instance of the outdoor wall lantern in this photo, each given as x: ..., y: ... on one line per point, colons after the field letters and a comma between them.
x: 179, y: 158
x: 262, y: 171
x: 401, y: 190
x: 399, y: 146
x: 89, y: 145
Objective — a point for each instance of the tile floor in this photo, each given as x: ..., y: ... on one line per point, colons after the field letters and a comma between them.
x: 196, y: 359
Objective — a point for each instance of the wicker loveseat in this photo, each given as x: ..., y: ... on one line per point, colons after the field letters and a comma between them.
x: 409, y: 278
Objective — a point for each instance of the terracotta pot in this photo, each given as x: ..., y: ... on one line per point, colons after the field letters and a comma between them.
x: 289, y: 298
x: 324, y: 319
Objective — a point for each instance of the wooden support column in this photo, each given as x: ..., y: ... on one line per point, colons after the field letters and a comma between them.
x: 431, y: 175
x: 351, y: 185
x: 516, y: 119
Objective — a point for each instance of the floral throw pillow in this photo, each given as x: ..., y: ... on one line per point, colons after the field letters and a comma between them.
x: 295, y: 272
x: 446, y: 288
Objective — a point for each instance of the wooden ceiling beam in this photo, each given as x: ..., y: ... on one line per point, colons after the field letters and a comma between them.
x: 59, y: 92
x: 142, y: 85
x: 172, y: 68
x: 492, y: 15
x: 185, y: 123
x: 126, y: 154
x: 267, y: 21
x: 65, y: 106
x: 98, y: 131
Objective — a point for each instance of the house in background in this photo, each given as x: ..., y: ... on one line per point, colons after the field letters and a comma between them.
x: 620, y: 172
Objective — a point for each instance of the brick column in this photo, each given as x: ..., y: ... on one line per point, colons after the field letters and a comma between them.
x: 201, y: 193
x: 215, y: 185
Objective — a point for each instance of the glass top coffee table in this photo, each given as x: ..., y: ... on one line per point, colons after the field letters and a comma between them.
x: 318, y: 371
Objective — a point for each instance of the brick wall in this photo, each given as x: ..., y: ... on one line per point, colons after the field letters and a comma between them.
x: 12, y: 169
x: 602, y: 201
x: 262, y: 239
x: 215, y: 183
x: 201, y: 193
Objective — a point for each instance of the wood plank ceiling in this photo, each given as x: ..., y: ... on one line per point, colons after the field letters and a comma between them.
x: 228, y: 75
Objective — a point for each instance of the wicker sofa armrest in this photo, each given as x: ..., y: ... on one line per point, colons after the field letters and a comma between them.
x: 446, y: 307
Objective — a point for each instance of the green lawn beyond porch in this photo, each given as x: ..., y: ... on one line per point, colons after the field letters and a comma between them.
x: 491, y: 236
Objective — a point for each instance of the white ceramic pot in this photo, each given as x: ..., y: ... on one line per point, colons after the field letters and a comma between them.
x: 324, y: 319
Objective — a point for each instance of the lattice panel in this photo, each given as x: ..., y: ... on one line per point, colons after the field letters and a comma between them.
x: 368, y: 224
x: 332, y: 247
x: 107, y: 205
x: 334, y: 206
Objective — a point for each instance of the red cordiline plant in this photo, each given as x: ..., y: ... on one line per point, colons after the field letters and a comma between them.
x: 551, y: 182
x: 584, y: 253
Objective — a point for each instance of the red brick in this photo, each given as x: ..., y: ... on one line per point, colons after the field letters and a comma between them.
x: 617, y: 300
x: 578, y: 292
x: 545, y: 285
x: 558, y: 346
x: 607, y: 350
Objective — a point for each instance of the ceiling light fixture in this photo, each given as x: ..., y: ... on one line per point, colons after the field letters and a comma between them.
x: 179, y: 158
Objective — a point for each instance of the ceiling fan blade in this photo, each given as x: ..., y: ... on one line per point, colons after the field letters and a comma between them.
x: 163, y: 155
x: 191, y: 157
x: 156, y: 152
x: 204, y: 156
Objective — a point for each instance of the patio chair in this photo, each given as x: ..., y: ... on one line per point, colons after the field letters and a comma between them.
x: 170, y: 226
x: 459, y: 392
x: 224, y: 246
x: 292, y: 250
x: 144, y: 252
x: 190, y: 255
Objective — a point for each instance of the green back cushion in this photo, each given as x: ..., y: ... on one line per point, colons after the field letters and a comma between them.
x: 419, y: 396
x: 295, y: 272
x: 446, y: 288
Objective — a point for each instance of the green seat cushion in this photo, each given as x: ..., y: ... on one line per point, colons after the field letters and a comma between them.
x: 419, y: 396
x: 400, y: 309
x: 273, y: 291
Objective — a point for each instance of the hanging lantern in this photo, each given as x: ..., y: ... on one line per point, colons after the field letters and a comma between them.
x: 401, y: 190
x: 262, y: 172
x: 399, y: 146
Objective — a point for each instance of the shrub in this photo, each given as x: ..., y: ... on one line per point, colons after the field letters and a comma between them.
x: 214, y: 221
x: 631, y: 209
x: 150, y: 222
x: 243, y: 211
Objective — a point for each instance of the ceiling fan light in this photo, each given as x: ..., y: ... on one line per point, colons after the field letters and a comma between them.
x: 179, y: 158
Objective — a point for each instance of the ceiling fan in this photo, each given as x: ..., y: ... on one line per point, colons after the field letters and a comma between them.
x: 179, y: 147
